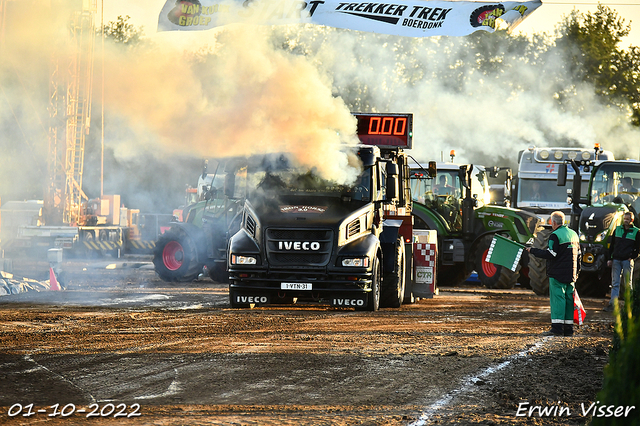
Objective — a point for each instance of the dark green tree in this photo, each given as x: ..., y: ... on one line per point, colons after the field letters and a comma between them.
x: 630, y: 62
x: 590, y: 44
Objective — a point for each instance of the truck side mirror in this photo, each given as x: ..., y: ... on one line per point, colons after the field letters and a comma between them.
x: 433, y: 169
x: 562, y: 174
x: 230, y: 185
x: 392, y: 187
x: 392, y: 169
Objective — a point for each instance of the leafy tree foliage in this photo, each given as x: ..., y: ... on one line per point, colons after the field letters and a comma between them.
x: 591, y: 42
x: 591, y: 46
x: 630, y: 62
x: 122, y: 32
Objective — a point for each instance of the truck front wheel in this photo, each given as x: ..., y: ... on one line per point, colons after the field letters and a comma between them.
x: 373, y: 298
x: 174, y: 257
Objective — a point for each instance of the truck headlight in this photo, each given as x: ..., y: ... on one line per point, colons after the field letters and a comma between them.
x: 601, y: 236
x: 583, y: 237
x: 243, y: 260
x: 356, y: 262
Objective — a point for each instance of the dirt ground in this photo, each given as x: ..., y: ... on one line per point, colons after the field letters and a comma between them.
x: 118, y: 335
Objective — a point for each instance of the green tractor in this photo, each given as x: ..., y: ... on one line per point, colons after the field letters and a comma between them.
x: 456, y: 204
x: 198, y: 244
x: 611, y: 193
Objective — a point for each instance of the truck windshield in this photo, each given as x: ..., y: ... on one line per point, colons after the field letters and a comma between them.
x: 545, y: 193
x: 616, y: 180
x: 287, y: 183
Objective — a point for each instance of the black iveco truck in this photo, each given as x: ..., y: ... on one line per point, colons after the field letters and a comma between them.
x: 304, y: 238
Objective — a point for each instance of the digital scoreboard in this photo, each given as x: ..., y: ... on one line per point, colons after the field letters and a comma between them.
x: 385, y: 130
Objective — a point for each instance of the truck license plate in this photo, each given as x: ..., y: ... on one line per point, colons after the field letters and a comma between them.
x: 295, y: 286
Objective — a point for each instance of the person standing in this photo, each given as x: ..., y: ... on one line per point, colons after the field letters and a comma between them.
x: 563, y: 265
x: 624, y: 248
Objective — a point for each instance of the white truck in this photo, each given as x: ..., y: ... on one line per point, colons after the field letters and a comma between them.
x: 535, y: 186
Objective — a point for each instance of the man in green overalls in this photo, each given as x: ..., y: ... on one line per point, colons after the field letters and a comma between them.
x: 624, y: 248
x: 563, y: 265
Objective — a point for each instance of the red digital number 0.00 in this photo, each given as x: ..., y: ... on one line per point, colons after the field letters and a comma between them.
x: 387, y: 126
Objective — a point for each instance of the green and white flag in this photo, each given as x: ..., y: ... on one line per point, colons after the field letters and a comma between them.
x: 409, y: 18
x: 505, y: 252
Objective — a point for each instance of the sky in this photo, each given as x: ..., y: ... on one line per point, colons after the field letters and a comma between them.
x: 544, y: 19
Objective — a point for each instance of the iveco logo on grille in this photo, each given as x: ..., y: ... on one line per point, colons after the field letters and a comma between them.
x: 298, y: 245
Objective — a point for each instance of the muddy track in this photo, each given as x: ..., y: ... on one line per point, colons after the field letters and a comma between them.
x: 120, y: 336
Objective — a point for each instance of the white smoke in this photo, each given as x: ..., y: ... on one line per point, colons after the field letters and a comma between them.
x: 259, y: 89
x: 483, y: 116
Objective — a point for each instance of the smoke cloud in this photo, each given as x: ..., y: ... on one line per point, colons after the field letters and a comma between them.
x: 259, y: 89
x: 242, y: 97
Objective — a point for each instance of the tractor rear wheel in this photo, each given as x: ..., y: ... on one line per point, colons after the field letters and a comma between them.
x: 523, y: 279
x: 508, y: 278
x: 538, y: 279
x: 175, y: 257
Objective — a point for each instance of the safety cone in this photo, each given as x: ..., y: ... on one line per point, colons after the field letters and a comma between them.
x: 53, y: 282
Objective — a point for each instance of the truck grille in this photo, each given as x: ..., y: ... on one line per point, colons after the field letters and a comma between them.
x: 298, y: 247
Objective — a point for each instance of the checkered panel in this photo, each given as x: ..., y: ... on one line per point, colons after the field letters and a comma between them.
x: 425, y: 254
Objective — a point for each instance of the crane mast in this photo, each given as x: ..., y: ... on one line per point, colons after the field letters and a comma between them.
x: 70, y: 90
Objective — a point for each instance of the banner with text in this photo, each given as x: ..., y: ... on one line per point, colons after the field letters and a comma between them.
x: 399, y: 17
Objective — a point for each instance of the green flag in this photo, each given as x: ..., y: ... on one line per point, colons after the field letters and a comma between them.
x: 505, y: 252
